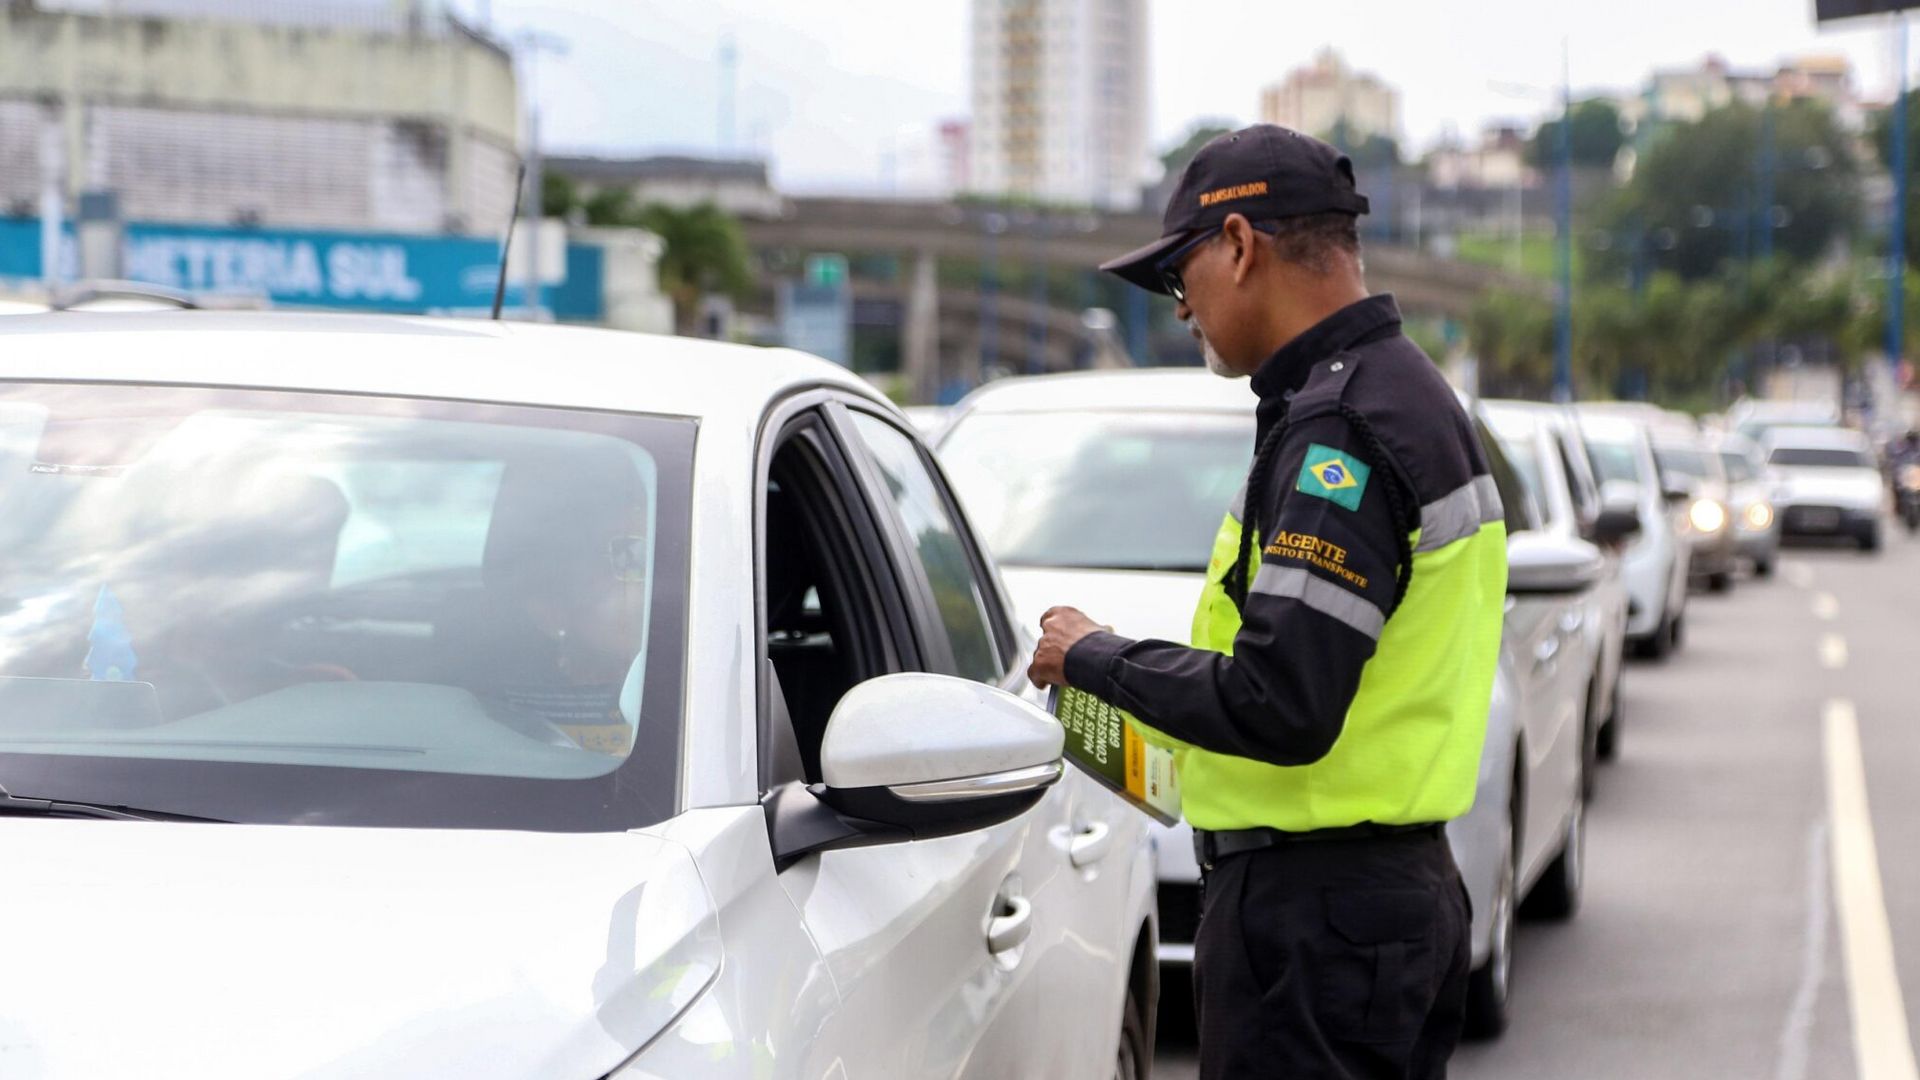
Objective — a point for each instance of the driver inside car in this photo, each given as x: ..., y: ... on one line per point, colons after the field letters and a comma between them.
x: 563, y: 609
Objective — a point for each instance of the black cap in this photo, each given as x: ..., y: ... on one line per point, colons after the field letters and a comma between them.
x: 1265, y: 172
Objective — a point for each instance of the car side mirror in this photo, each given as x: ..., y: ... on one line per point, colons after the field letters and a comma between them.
x: 1617, y: 523
x: 1543, y: 564
x: 916, y: 756
x: 1676, y: 492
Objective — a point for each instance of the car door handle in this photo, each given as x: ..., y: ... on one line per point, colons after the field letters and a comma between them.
x: 1009, y: 929
x: 1090, y: 844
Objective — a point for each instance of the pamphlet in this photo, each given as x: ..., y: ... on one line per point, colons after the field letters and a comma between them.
x: 1102, y: 742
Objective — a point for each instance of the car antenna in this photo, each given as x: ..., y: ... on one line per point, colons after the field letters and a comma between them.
x: 506, y: 245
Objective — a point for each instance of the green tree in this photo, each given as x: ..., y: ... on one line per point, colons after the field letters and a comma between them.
x: 1593, y: 141
x: 1511, y: 334
x: 705, y: 252
x: 612, y: 208
x: 558, y: 196
x: 1695, y: 201
x: 1201, y: 133
x: 1368, y: 150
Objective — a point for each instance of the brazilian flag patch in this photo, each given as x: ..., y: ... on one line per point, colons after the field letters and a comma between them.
x: 1333, y: 476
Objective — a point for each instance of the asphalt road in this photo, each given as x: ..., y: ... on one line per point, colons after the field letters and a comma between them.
x: 1731, y: 923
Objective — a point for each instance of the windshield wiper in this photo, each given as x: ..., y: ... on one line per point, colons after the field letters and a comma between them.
x: 15, y: 804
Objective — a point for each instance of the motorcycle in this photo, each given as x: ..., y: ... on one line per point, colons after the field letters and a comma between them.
x: 1906, y: 484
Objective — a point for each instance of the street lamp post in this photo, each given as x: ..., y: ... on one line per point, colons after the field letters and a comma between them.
x: 1563, y: 226
x: 1897, y: 241
x: 535, y: 42
x: 1562, y: 223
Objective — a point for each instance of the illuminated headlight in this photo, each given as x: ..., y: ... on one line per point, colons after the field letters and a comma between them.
x: 1707, y: 516
x: 1757, y: 517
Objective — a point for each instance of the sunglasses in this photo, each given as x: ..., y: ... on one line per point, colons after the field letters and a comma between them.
x: 1169, y: 267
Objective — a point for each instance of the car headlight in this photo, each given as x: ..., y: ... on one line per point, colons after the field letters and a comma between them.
x: 1757, y: 516
x: 1707, y: 516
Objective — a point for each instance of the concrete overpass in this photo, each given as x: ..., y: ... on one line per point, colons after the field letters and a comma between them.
x: 942, y: 328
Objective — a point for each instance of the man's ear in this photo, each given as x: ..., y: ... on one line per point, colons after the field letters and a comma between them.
x: 1242, y: 238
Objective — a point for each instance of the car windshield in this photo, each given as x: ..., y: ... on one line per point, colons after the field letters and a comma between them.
x: 1097, y: 490
x: 1686, y: 461
x: 1819, y: 457
x: 277, y: 607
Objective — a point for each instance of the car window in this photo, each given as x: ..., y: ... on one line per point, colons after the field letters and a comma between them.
x: 257, y: 602
x: 1614, y: 461
x: 1098, y: 490
x: 1523, y: 454
x: 1522, y: 512
x: 1586, y: 501
x: 959, y: 595
x: 1819, y: 457
x: 828, y: 626
x: 1739, y: 467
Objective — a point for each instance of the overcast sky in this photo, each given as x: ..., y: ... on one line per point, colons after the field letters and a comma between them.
x: 827, y: 87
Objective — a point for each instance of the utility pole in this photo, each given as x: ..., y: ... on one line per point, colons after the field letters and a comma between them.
x: 533, y: 42
x: 1897, y: 241
x: 1767, y: 166
x: 1563, y: 224
x: 729, y: 58
x: 53, y: 199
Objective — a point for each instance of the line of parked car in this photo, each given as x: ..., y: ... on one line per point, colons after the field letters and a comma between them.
x: 643, y: 707
x: 1102, y: 490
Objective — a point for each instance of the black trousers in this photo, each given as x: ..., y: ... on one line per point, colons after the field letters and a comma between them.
x: 1332, y: 958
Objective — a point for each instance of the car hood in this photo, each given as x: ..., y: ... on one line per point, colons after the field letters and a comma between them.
x: 212, y: 951
x: 1852, y: 487
x: 1136, y: 603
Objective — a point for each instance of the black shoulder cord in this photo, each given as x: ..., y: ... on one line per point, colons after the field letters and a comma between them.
x: 1403, y: 520
x: 1236, y: 581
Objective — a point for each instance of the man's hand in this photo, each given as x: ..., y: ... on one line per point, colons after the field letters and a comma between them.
x: 1060, y: 629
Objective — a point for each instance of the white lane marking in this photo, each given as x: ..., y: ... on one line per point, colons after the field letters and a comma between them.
x: 1833, y: 652
x: 1797, y: 1032
x: 1799, y: 574
x: 1826, y: 606
x: 1882, y: 1048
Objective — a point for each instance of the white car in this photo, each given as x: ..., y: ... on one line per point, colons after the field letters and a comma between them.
x: 1829, y: 483
x: 1690, y: 466
x: 1104, y: 490
x: 1756, y: 523
x: 1542, y: 442
x: 585, y: 704
x: 1655, y: 564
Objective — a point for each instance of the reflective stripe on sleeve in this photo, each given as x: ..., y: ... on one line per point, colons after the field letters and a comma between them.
x: 1322, y: 596
x: 1239, y: 508
x: 1460, y: 514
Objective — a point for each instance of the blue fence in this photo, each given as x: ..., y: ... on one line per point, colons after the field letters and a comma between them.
x: 390, y: 272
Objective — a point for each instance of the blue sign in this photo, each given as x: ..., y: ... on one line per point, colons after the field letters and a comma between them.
x: 391, y: 272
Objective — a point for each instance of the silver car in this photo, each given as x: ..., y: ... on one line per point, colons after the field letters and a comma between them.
x: 1543, y: 443
x: 1752, y: 489
x: 587, y: 704
x: 1654, y: 564
x: 1689, y: 465
x: 1104, y: 490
